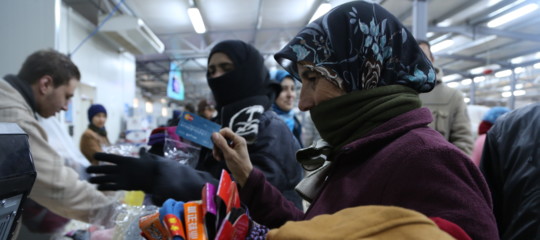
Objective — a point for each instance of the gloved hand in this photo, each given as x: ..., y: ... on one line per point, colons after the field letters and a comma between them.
x: 126, y: 173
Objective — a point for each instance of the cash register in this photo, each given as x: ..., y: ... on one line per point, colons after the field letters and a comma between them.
x: 17, y: 175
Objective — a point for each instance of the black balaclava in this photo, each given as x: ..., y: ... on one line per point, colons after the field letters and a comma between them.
x: 243, y: 94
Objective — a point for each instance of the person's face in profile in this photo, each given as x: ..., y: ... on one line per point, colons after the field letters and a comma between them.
x: 219, y: 64
x: 285, y: 100
x: 99, y: 120
x: 53, y: 99
x: 315, y: 89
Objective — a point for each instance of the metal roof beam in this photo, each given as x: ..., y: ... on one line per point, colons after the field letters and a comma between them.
x: 313, y: 9
x: 461, y: 57
x: 495, y: 11
x: 420, y: 19
x: 258, y: 23
x: 456, y: 10
x: 508, y: 34
x: 463, y: 30
x: 473, y: 32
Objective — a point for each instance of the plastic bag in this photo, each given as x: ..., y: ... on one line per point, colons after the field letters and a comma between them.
x: 181, y: 152
x: 127, y: 221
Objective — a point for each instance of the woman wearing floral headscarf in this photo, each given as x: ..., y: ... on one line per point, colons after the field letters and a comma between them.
x: 361, y: 73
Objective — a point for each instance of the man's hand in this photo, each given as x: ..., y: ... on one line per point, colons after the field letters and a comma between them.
x: 233, y: 148
x: 126, y: 173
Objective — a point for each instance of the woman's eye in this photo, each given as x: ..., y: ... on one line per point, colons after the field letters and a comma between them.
x: 211, y: 70
x: 227, y: 67
x: 312, y: 77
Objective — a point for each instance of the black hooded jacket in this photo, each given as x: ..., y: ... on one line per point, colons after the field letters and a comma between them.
x: 511, y: 165
x: 274, y: 148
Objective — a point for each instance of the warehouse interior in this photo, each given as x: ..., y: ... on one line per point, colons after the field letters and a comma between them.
x: 488, y: 49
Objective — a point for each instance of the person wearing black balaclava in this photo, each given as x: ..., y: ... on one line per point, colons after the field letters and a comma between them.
x: 244, y: 94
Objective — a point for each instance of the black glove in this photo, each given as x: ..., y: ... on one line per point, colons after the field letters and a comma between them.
x: 126, y: 173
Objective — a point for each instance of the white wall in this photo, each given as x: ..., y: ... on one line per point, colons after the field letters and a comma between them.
x: 26, y: 25
x: 30, y: 25
x: 102, y: 66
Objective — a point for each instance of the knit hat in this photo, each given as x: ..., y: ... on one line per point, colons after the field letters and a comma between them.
x: 176, y: 114
x: 95, y: 109
x: 490, y: 117
x: 494, y: 113
x: 159, y: 134
x: 157, y: 138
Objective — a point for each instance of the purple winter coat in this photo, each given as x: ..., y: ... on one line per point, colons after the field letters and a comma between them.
x: 400, y: 163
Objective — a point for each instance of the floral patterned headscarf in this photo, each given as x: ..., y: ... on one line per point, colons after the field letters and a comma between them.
x: 359, y: 45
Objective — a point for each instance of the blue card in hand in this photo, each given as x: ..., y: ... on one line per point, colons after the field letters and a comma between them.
x: 197, y: 129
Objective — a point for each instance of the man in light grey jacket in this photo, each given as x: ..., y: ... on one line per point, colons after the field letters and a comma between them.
x: 450, y: 117
x: 44, y: 86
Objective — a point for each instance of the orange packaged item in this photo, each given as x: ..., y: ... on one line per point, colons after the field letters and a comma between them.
x: 151, y: 228
x: 193, y: 219
x: 174, y: 225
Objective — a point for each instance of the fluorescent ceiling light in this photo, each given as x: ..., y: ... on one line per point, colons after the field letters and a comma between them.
x: 479, y: 79
x: 519, y: 70
x: 520, y: 92
x: 480, y: 70
x: 196, y: 20
x: 453, y: 84
x: 493, y: 2
x: 451, y: 77
x: 516, y: 93
x: 466, y: 100
x: 442, y: 45
x: 536, y: 66
x: 506, y: 94
x: 508, y: 88
x: 503, y: 73
x: 430, y: 34
x: 475, y: 43
x: 440, y: 39
x: 505, y: 8
x: 467, y: 81
x: 477, y: 70
x: 511, y: 16
x: 445, y: 23
x: 517, y: 60
x: 321, y: 10
x: 149, y: 107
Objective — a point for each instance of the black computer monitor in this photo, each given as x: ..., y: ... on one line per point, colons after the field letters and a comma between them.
x: 17, y: 175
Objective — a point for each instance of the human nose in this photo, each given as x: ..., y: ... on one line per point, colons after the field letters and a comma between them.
x: 66, y: 105
x: 291, y: 93
x: 306, y: 99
